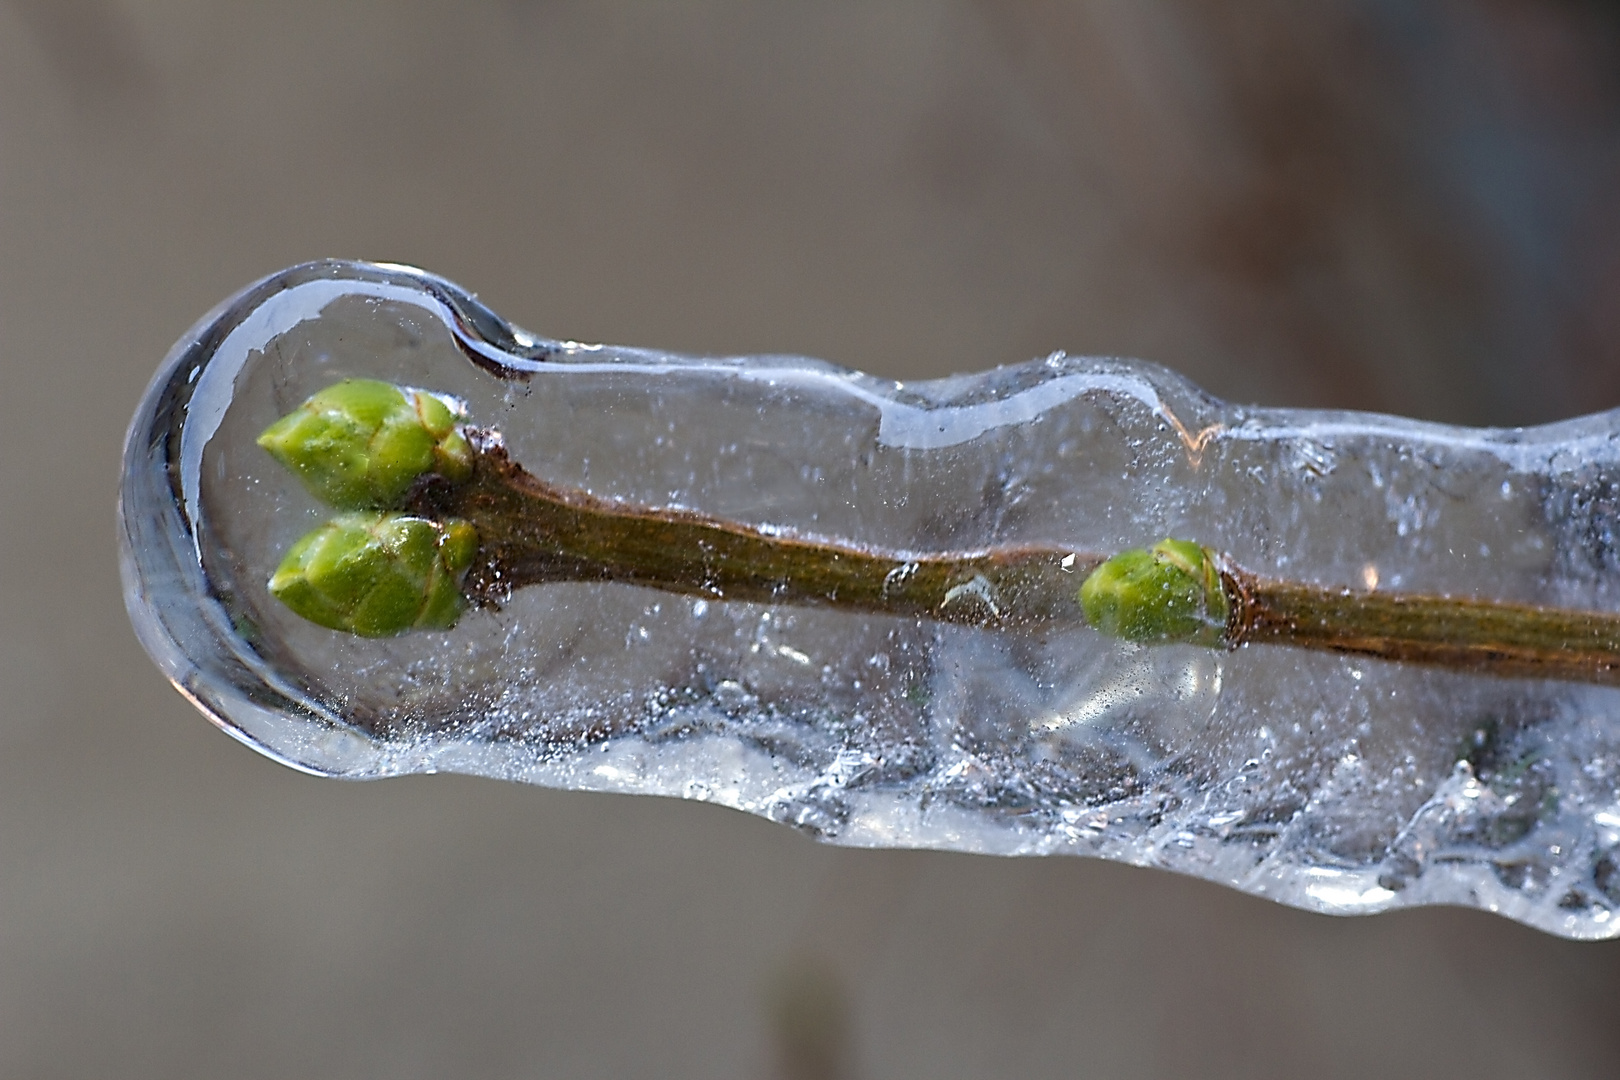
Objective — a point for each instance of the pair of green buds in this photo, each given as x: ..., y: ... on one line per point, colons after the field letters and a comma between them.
x: 374, y: 571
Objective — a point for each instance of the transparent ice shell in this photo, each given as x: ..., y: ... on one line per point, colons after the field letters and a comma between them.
x: 1323, y: 781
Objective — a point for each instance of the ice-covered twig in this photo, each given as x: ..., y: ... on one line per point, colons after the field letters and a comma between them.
x: 856, y: 606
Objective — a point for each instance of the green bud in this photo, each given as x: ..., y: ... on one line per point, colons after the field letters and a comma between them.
x: 378, y: 574
x: 1170, y: 593
x: 361, y: 443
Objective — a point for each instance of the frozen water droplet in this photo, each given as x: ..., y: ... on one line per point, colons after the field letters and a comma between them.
x: 1331, y: 782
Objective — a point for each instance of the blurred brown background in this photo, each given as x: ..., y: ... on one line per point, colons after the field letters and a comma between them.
x: 1410, y: 208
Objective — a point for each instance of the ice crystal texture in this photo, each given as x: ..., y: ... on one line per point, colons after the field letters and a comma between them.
x: 1328, y: 782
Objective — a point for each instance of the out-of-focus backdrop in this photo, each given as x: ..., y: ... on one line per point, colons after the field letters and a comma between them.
x: 1360, y: 203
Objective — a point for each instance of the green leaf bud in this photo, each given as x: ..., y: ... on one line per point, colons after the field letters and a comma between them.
x: 1170, y: 593
x: 378, y: 574
x: 362, y: 443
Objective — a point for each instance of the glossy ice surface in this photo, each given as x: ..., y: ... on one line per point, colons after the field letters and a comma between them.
x: 1328, y: 782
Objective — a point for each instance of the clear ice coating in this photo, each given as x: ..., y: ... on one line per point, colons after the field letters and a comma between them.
x: 1325, y: 781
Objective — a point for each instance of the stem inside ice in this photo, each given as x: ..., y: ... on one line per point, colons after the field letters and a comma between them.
x: 366, y: 443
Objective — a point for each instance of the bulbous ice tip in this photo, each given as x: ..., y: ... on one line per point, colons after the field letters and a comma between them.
x: 1171, y: 592
x: 361, y: 443
x: 378, y: 574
